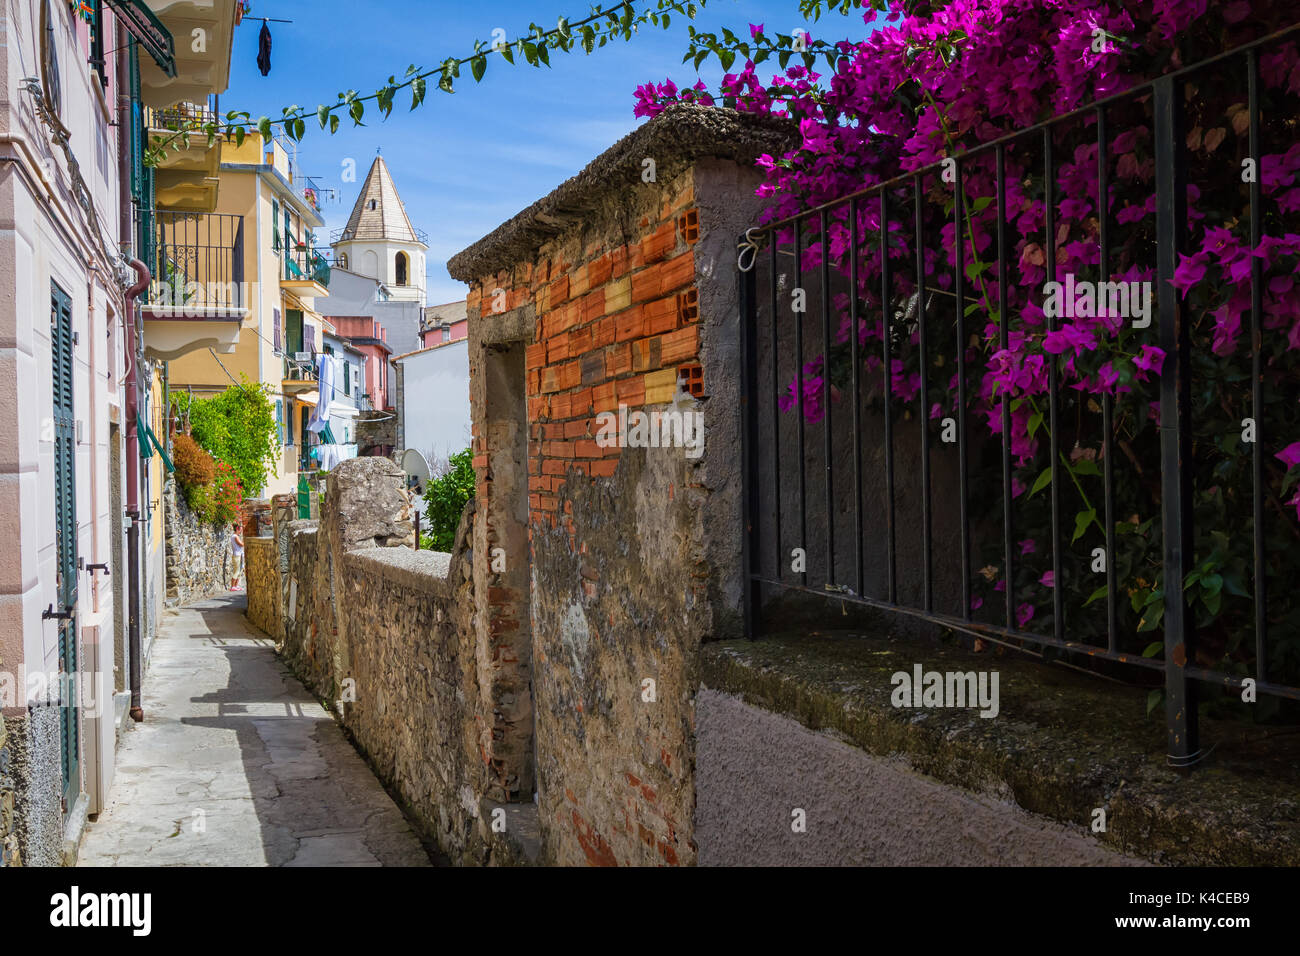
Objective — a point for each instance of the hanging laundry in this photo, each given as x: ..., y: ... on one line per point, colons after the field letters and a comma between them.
x: 264, y: 49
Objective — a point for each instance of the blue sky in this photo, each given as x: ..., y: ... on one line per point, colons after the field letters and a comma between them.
x: 465, y: 163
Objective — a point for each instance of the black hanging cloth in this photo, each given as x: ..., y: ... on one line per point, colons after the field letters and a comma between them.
x: 264, y: 49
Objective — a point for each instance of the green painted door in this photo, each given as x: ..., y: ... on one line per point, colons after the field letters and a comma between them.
x: 65, y: 527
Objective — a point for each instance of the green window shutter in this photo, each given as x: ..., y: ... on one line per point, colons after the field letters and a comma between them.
x: 275, y: 224
x: 149, y: 444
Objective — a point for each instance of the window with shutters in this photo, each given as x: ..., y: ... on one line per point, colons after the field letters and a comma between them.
x: 65, y: 525
x: 275, y: 225
x: 293, y: 323
x: 275, y: 330
x: 279, y: 418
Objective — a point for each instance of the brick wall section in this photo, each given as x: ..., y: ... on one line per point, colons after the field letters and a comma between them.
x: 614, y: 289
x: 615, y: 326
x: 613, y: 322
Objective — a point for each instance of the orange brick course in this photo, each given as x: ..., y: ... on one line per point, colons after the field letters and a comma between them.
x: 620, y: 324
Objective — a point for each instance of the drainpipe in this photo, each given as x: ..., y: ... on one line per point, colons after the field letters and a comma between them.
x: 131, y: 378
x: 133, y: 488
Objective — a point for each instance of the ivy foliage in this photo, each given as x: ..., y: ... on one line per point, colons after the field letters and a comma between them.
x: 444, y: 500
x: 236, y: 427
x: 605, y: 23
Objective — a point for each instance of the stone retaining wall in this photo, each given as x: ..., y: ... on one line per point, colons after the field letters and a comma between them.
x: 384, y: 634
x: 9, y: 855
x: 198, y: 553
x: 263, y: 604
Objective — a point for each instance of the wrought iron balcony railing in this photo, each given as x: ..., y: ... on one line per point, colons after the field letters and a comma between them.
x: 197, y: 262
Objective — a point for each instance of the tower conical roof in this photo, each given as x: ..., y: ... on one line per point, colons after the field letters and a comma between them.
x: 379, y: 213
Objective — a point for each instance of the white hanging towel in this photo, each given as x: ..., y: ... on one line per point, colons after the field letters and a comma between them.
x: 320, y: 416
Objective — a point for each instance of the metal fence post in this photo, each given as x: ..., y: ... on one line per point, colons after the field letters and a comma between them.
x: 1175, y: 430
x: 746, y: 293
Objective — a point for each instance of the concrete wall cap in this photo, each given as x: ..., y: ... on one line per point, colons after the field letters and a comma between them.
x: 675, y: 138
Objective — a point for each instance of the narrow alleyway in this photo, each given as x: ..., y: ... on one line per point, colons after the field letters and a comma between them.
x: 236, y: 764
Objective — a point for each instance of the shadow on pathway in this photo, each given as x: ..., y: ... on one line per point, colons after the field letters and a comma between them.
x: 236, y: 764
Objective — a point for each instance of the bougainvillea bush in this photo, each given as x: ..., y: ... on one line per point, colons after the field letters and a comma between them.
x: 928, y: 82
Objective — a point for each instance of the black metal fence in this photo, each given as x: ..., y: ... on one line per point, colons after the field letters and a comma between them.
x: 850, y: 514
x: 198, y: 262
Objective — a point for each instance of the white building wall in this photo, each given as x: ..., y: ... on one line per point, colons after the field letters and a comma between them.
x: 435, y: 400
x: 378, y: 260
x: 45, y: 236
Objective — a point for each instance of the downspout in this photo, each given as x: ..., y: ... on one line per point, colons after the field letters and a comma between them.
x: 133, y: 488
x: 131, y: 378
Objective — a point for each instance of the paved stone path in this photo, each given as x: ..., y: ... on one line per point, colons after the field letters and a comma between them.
x: 236, y: 764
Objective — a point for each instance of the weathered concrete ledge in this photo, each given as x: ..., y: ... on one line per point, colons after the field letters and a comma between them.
x: 673, y: 139
x: 1062, y: 745
x: 422, y: 570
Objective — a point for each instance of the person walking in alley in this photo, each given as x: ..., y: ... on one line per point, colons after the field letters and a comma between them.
x: 236, y: 555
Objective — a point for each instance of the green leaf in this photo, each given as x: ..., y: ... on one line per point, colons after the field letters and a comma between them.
x: 357, y: 109
x: 979, y: 205
x: 589, y: 40
x: 299, y: 128
x: 1213, y: 602
x: 1151, y: 618
x: 1081, y: 522
x: 508, y: 53
x: 323, y: 115
x: 1212, y: 583
x: 1044, y: 479
x: 1035, y: 420
x: 334, y: 123
x: 1096, y: 595
x: 264, y: 127
x: 478, y: 66
x: 1154, y: 699
x: 1154, y: 648
x: 726, y: 58
x: 417, y: 91
x: 530, y: 52
x: 1085, y: 466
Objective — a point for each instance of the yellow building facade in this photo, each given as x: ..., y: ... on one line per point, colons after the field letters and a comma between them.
x: 267, y: 219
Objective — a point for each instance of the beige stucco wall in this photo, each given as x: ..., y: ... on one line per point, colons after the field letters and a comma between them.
x: 250, y: 193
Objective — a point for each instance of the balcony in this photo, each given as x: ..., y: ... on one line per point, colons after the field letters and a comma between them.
x: 198, y: 298
x: 200, y: 68
x: 186, y: 176
x: 299, y: 377
x: 306, y: 272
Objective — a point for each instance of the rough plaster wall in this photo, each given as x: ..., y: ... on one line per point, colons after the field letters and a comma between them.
x: 614, y: 769
x: 724, y: 195
x: 307, y: 647
x: 367, y: 507
x: 416, y: 687
x: 198, y: 557
x: 37, y: 773
x: 753, y: 768
x: 504, y: 659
